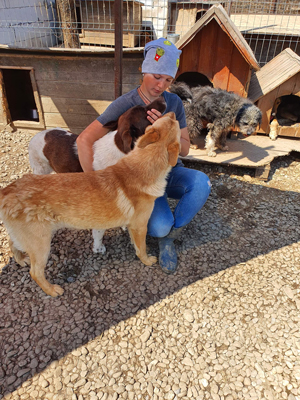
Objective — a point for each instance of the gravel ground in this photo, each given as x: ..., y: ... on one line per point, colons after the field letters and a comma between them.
x: 225, y: 326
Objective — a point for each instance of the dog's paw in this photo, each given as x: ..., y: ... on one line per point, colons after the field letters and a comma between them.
x: 150, y: 260
x: 212, y: 154
x: 99, y: 249
x: 273, y: 136
x: 55, y: 290
x: 194, y: 146
x: 23, y: 261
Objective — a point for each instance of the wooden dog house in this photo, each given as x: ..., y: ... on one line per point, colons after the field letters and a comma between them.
x: 183, y: 15
x: 97, y: 22
x: 279, y: 77
x: 215, y: 52
x: 68, y: 88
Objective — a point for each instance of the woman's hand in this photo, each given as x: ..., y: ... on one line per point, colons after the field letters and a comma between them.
x: 153, y: 115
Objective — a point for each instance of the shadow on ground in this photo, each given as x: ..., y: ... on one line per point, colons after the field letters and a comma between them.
x: 239, y: 222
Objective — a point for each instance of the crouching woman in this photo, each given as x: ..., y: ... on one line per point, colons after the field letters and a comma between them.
x: 190, y: 187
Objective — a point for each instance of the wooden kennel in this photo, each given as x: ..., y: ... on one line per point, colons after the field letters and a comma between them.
x: 183, y: 15
x: 68, y: 88
x: 279, y: 77
x: 97, y: 22
x: 215, y: 48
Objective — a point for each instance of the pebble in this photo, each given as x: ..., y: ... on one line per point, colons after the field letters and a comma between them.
x: 224, y: 327
x: 188, y: 316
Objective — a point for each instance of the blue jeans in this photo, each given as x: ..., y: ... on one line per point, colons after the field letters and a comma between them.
x: 191, y: 188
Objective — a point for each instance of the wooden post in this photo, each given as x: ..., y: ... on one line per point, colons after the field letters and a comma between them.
x: 67, y: 16
x: 118, y: 46
x: 3, y: 100
x: 229, y: 7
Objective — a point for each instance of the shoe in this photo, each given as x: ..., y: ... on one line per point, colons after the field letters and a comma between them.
x: 167, y: 251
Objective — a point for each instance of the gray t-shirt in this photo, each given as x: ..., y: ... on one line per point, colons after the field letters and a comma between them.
x: 132, y: 98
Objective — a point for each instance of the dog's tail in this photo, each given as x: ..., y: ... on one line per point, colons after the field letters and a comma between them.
x: 182, y: 90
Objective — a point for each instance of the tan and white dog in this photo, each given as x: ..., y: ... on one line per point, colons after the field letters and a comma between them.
x: 56, y: 149
x: 35, y: 206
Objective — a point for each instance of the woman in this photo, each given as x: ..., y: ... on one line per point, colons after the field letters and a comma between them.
x: 190, y: 187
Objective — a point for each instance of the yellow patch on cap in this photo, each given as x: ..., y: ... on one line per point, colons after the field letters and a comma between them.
x: 167, y: 43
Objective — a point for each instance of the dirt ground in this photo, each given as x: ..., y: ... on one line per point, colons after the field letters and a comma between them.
x: 224, y: 327
x: 284, y: 174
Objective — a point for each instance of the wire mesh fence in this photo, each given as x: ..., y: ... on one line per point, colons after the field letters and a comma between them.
x: 268, y: 26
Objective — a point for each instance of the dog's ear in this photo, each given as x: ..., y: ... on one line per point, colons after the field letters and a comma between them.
x: 150, y: 136
x: 136, y: 132
x: 112, y: 125
x: 173, y: 151
x: 260, y: 119
x: 127, y: 141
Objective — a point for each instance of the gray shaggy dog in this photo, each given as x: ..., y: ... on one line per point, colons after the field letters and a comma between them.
x: 217, y: 110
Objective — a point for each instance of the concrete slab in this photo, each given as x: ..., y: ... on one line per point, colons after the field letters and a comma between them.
x: 256, y: 151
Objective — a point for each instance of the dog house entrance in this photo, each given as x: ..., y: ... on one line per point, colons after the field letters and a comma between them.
x: 285, y: 117
x: 287, y: 110
x: 193, y: 79
x: 20, y: 95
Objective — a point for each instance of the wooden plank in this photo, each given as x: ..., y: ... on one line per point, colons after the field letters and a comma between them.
x: 74, y: 106
x: 267, y: 23
x: 291, y: 86
x: 37, y: 100
x: 221, y: 66
x: 28, y: 124
x: 253, y: 151
x: 239, y: 74
x: 81, y: 90
x: 5, y: 116
x: 262, y: 173
x: 185, y: 20
x: 207, y: 37
x: 186, y: 57
x: 69, y: 121
x: 108, y: 38
x: 291, y: 131
x: 266, y: 104
x: 66, y: 68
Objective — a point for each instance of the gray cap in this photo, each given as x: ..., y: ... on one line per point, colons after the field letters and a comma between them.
x: 161, y: 57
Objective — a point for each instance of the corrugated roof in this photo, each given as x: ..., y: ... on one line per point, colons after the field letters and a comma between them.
x: 273, y: 74
x: 218, y: 13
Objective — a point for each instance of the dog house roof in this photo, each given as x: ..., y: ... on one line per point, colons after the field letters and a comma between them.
x: 218, y: 13
x: 273, y: 74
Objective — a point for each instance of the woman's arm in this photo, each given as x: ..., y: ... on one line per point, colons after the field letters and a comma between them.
x: 185, y: 142
x: 85, y: 143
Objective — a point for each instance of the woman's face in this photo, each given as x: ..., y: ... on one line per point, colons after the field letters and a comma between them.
x: 156, y: 84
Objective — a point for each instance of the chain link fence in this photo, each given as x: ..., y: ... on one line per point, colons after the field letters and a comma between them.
x: 268, y: 26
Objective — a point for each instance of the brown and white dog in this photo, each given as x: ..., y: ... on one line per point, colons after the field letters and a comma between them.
x: 35, y: 206
x: 56, y: 149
